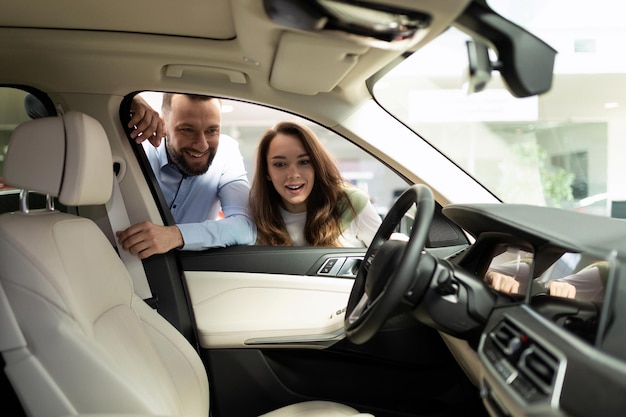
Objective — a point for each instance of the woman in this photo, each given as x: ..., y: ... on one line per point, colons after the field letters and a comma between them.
x: 299, y: 198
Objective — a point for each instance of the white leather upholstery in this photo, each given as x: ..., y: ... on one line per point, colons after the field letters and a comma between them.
x: 91, y: 345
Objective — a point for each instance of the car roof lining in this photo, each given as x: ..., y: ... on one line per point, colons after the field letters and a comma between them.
x: 191, y: 18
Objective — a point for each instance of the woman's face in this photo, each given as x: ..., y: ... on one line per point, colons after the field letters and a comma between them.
x: 290, y: 171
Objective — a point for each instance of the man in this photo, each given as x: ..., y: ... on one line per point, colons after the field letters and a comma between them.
x: 199, y: 171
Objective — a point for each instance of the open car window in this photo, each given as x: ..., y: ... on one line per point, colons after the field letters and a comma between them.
x: 247, y: 122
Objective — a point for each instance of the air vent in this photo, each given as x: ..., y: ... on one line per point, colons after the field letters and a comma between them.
x: 539, y: 367
x: 507, y: 337
x: 522, y: 363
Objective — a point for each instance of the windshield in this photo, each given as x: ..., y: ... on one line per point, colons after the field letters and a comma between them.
x: 564, y: 148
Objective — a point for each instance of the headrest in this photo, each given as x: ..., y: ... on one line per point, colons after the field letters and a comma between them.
x: 66, y: 157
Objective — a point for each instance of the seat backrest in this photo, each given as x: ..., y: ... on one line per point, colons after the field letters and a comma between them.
x: 88, y: 344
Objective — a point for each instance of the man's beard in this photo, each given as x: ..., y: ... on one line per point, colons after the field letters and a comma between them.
x: 191, y: 170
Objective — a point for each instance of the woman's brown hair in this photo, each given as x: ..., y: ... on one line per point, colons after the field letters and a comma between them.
x: 325, y: 205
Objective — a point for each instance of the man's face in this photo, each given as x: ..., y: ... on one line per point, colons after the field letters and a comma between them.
x: 193, y: 133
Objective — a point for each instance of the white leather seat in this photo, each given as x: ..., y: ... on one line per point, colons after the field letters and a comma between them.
x: 88, y: 344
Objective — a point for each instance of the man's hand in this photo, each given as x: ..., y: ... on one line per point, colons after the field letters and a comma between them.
x: 146, y: 122
x: 146, y: 239
x: 501, y: 282
x: 561, y: 289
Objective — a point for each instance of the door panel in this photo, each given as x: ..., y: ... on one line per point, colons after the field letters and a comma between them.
x: 270, y: 325
x: 242, y: 310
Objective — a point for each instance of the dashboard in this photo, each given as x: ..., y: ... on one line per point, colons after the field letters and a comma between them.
x: 543, y: 352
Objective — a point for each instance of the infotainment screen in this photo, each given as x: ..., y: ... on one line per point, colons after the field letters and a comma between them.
x: 577, y: 276
x: 570, y: 290
x: 575, y: 289
x: 510, y: 270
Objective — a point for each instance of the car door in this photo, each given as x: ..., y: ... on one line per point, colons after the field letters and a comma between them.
x: 268, y: 321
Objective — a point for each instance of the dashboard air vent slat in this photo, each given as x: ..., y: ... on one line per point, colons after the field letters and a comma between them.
x: 539, y: 367
x: 507, y: 337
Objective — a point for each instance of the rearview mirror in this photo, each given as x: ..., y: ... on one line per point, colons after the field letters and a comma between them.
x: 480, y: 66
x: 525, y: 62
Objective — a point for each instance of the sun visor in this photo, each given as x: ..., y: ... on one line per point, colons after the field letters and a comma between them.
x: 306, y: 64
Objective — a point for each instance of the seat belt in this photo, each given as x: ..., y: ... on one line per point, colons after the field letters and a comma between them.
x: 118, y: 218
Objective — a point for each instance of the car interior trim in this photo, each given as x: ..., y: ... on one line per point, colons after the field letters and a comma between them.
x: 198, y: 71
x: 323, y: 340
x: 276, y: 307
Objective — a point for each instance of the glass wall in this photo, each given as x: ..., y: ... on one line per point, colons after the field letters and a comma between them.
x: 565, y: 148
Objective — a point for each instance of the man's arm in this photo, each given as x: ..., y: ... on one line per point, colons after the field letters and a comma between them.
x: 236, y: 228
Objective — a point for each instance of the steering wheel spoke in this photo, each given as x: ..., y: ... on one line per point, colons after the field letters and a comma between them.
x: 359, y: 309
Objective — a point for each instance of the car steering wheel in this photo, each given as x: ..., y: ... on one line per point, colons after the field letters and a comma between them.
x: 389, y: 270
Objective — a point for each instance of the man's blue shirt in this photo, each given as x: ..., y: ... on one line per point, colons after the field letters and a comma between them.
x: 195, y: 201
